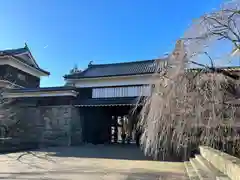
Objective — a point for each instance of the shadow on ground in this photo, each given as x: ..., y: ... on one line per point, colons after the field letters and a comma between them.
x: 89, y: 162
x: 71, y: 174
x: 124, y: 152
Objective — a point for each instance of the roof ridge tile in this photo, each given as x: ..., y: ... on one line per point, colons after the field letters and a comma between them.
x: 120, y: 63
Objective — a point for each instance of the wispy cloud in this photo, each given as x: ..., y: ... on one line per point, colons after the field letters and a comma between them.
x: 45, y: 46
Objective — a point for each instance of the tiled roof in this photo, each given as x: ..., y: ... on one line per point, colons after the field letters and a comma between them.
x: 44, y: 89
x: 117, y: 69
x: 107, y: 102
x: 16, y: 53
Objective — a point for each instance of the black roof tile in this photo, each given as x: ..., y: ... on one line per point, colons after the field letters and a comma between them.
x: 14, y: 51
x: 44, y: 89
x: 107, y: 101
x: 117, y: 69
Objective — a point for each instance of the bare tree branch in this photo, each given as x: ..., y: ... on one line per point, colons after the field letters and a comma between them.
x: 187, y: 109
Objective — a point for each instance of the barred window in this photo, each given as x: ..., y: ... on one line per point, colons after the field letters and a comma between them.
x: 130, y: 91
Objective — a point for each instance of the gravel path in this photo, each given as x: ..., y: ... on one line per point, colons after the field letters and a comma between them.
x: 88, y: 163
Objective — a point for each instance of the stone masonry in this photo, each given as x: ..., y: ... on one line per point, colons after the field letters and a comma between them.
x: 47, y: 125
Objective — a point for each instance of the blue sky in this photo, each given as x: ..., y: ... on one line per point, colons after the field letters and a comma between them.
x: 63, y: 33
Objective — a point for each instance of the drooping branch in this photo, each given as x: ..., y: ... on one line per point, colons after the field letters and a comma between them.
x: 187, y: 109
x: 217, y: 70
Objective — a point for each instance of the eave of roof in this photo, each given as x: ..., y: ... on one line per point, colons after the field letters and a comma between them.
x: 43, y: 89
x: 14, y: 52
x: 117, y: 75
x: 123, y: 101
x: 40, y: 92
x: 30, y: 54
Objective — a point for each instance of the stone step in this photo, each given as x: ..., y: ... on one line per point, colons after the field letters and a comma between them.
x: 225, y: 163
x: 210, y: 168
x: 190, y: 171
x: 201, y: 171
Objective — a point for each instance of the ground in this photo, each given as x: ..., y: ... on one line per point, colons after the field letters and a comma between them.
x: 89, y: 162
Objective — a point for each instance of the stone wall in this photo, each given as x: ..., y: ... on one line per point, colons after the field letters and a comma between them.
x: 46, y: 125
x: 62, y: 125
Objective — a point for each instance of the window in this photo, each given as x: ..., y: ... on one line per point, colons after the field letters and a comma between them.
x: 21, y: 77
x: 130, y: 91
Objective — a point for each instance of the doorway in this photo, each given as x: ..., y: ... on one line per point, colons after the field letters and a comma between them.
x: 123, y: 130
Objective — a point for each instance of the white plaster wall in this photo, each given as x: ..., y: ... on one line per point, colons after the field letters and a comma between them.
x: 113, y: 81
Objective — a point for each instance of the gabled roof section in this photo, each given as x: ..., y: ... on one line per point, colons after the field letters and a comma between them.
x: 117, y: 69
x: 24, y: 55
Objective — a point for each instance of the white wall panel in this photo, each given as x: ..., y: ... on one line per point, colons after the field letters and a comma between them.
x: 130, y: 91
x: 113, y: 81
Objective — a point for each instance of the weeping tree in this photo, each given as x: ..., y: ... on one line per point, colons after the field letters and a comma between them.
x: 189, y: 105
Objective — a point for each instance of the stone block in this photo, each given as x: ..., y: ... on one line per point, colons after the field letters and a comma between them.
x: 210, y: 168
x: 227, y: 164
x: 190, y: 171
